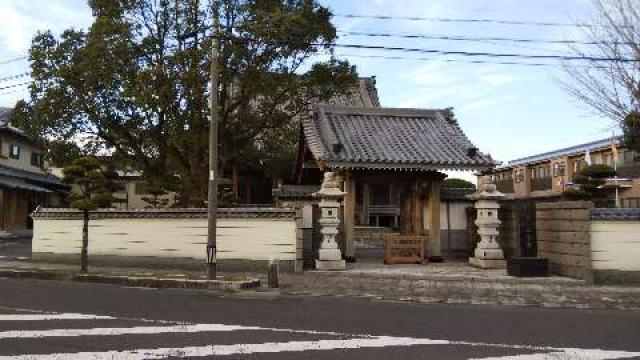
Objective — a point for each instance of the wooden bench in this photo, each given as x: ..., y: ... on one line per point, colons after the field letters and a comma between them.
x: 404, y: 249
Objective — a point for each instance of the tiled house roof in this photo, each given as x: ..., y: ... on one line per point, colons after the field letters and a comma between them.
x: 4, y: 115
x: 295, y: 192
x: 364, y: 94
x: 390, y: 138
x: 45, y: 180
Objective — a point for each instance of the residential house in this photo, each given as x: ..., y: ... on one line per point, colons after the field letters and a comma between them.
x: 547, y: 175
x: 25, y: 182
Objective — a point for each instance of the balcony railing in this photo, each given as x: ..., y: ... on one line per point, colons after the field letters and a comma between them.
x: 541, y: 184
x: 505, y: 186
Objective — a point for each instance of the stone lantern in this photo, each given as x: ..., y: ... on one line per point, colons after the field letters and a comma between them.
x: 488, y: 254
x: 329, y: 255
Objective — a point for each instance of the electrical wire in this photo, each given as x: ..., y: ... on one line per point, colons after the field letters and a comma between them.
x: 461, y: 20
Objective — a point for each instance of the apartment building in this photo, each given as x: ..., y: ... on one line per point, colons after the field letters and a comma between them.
x: 548, y: 174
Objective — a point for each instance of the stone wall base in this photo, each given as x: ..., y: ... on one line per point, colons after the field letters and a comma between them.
x: 616, y: 277
x: 150, y: 262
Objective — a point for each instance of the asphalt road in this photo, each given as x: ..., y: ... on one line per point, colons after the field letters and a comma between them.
x: 15, y: 248
x: 61, y: 320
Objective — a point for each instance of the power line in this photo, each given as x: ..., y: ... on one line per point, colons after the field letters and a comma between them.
x: 461, y: 20
x: 480, y: 39
x: 388, y: 57
x: 13, y: 77
x: 11, y: 92
x: 13, y: 60
x: 482, y: 54
x: 14, y: 85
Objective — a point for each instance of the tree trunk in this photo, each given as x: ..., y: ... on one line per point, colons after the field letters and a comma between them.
x: 84, y: 258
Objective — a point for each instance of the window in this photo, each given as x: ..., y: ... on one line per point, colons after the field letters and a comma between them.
x: 630, y: 203
x: 559, y: 170
x: 37, y: 159
x: 628, y: 157
x: 14, y: 151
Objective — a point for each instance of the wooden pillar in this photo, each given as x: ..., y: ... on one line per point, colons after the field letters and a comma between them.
x: 435, y: 246
x: 417, y: 211
x: 349, y: 214
x: 366, y: 201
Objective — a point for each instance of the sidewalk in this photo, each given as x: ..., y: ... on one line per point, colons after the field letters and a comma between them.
x: 154, y: 278
x: 446, y: 283
x: 458, y: 283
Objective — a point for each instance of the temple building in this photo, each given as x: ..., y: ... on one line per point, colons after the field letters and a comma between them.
x: 390, y: 162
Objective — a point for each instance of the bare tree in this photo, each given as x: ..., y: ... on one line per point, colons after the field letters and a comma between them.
x: 610, y: 81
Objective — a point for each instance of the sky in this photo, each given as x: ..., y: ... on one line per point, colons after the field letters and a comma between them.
x: 509, y: 111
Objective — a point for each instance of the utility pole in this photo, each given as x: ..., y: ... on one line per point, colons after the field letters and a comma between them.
x: 213, y: 146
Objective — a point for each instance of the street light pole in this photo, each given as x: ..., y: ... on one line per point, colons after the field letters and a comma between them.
x: 213, y: 147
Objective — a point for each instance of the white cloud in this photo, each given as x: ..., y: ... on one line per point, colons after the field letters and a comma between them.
x: 19, y: 21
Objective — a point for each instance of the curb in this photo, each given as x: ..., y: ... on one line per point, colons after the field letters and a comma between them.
x: 135, y: 281
x: 453, y: 280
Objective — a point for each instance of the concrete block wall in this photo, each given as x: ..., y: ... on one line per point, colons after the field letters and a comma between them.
x: 563, y: 235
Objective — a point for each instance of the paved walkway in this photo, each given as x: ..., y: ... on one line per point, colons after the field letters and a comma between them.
x: 445, y: 283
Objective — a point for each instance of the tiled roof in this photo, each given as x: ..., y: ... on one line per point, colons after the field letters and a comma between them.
x: 615, y: 214
x: 191, y: 213
x: 390, y: 138
x: 364, y: 94
x: 290, y: 192
x: 4, y: 115
x: 456, y: 194
x: 569, y: 151
x: 5, y: 127
x: 46, y: 180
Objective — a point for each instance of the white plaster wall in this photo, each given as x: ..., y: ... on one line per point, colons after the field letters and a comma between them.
x: 238, y: 239
x: 615, y: 245
x: 457, y: 215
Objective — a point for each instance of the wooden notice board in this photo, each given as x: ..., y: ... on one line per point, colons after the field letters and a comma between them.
x: 404, y: 249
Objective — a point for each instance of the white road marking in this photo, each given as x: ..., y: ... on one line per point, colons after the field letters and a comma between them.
x: 301, y: 346
x: 234, y: 349
x: 359, y: 341
x: 570, y: 354
x: 122, y: 331
x: 40, y: 317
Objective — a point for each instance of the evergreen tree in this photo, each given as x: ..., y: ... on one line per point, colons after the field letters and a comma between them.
x: 135, y: 83
x: 94, y: 186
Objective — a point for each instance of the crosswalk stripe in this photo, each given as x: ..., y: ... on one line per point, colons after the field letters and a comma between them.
x: 140, y: 330
x: 233, y: 349
x: 41, y: 317
x: 570, y: 354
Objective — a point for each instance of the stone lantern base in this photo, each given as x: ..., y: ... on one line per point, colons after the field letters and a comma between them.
x: 488, y: 263
x: 330, y: 265
x: 488, y: 255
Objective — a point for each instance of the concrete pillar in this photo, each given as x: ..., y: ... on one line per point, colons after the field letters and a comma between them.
x: 329, y: 255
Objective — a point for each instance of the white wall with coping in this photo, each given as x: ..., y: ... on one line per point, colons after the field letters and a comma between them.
x: 615, y: 245
x: 248, y: 239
